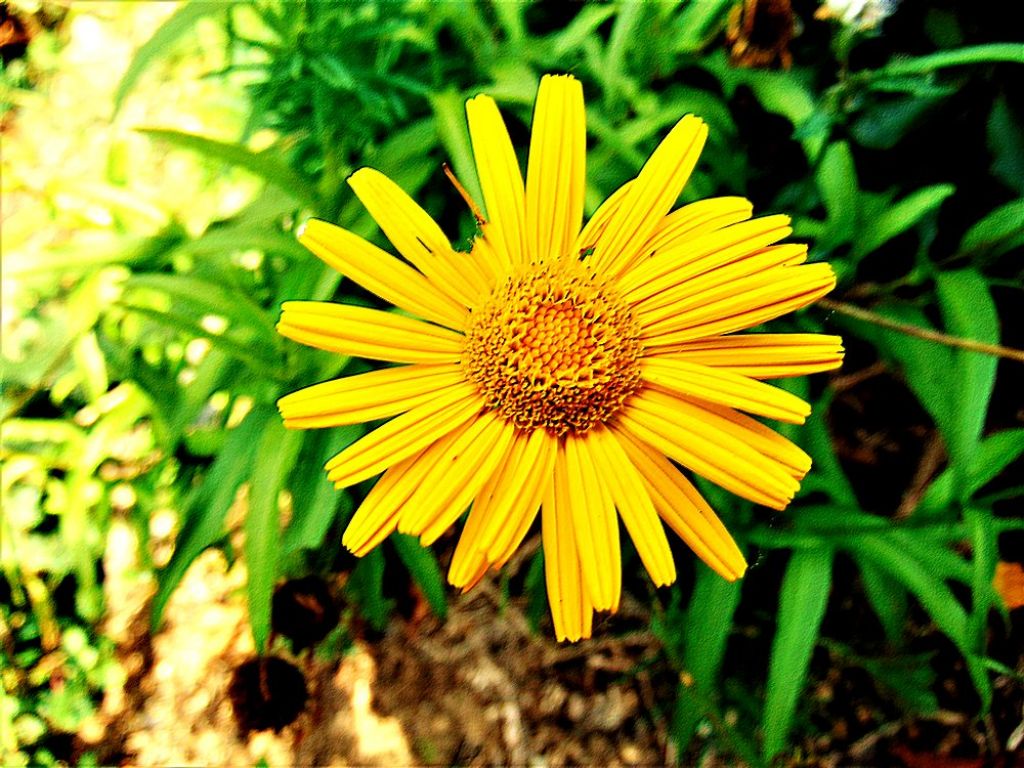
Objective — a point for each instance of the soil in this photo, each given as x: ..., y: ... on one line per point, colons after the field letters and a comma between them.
x: 481, y: 688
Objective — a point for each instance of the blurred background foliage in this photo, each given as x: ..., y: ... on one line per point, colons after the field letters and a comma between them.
x: 158, y: 158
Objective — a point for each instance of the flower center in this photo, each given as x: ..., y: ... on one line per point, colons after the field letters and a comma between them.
x: 554, y: 347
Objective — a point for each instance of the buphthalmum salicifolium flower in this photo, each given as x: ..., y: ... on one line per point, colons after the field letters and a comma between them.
x: 563, y: 370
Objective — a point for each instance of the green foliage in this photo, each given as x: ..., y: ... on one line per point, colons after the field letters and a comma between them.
x: 154, y: 320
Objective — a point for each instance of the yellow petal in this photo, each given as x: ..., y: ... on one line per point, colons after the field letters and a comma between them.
x: 747, y: 302
x: 556, y: 171
x: 675, y: 304
x: 690, y: 222
x: 404, y: 436
x: 651, y: 196
x: 684, y: 509
x: 595, y: 524
x: 724, y: 387
x: 381, y: 273
x: 417, y: 236
x: 764, y: 355
x: 450, y: 486
x: 758, y: 436
x: 469, y: 563
x: 367, y: 396
x: 692, y: 257
x: 571, y: 609
x: 634, y: 505
x: 599, y: 221
x: 364, y: 332
x: 702, y: 442
x: 500, y: 178
x: 377, y: 516
x: 516, y: 491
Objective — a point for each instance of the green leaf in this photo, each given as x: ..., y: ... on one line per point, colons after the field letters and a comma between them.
x: 985, y: 555
x: 697, y: 23
x: 910, y: 678
x: 708, y: 622
x: 1006, y: 142
x: 805, y: 590
x: 449, y: 113
x: 315, y: 501
x: 424, y: 570
x: 933, y: 594
x: 159, y: 45
x: 205, y: 508
x: 888, y: 599
x: 996, y: 453
x: 580, y: 29
x: 827, y: 474
x: 274, y: 458
x: 366, y: 588
x: 1000, y: 231
x: 898, y: 217
x: 837, y: 182
x: 974, y: 54
x: 262, y: 164
x: 968, y: 311
x: 213, y: 298
x: 925, y: 364
x: 884, y: 125
x: 536, y: 591
x: 251, y: 356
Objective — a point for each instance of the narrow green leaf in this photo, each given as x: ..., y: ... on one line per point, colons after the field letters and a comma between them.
x: 214, y: 298
x: 315, y: 502
x: 985, y: 555
x: 580, y: 29
x: 827, y: 473
x: 365, y: 587
x: 274, y: 457
x: 899, y: 217
x: 263, y: 164
x: 837, y: 182
x: 203, y: 511
x: 1000, y: 231
x: 911, y: 679
x: 708, y: 621
x: 933, y: 594
x: 698, y: 23
x: 805, y: 590
x: 622, y: 37
x: 424, y: 570
x: 968, y: 311
x: 996, y: 453
x: 887, y: 598
x: 975, y: 54
x: 1006, y: 143
x: 160, y: 43
x: 210, y: 375
x: 536, y: 591
x: 249, y: 355
x: 449, y: 113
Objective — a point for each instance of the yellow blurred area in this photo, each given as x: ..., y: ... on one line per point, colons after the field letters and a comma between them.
x: 79, y: 184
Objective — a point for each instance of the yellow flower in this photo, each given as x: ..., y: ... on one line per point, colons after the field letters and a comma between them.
x: 564, y: 368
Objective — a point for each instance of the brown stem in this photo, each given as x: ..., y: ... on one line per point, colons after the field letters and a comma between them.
x: 997, y: 350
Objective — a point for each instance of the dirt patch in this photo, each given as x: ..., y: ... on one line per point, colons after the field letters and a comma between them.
x: 174, y: 708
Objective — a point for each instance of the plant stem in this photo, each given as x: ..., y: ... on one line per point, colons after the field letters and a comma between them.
x: 997, y: 350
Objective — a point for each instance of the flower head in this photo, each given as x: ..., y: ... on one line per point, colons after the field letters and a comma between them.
x: 564, y: 369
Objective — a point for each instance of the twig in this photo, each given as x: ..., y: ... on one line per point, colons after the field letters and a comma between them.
x: 997, y: 350
x: 931, y: 458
